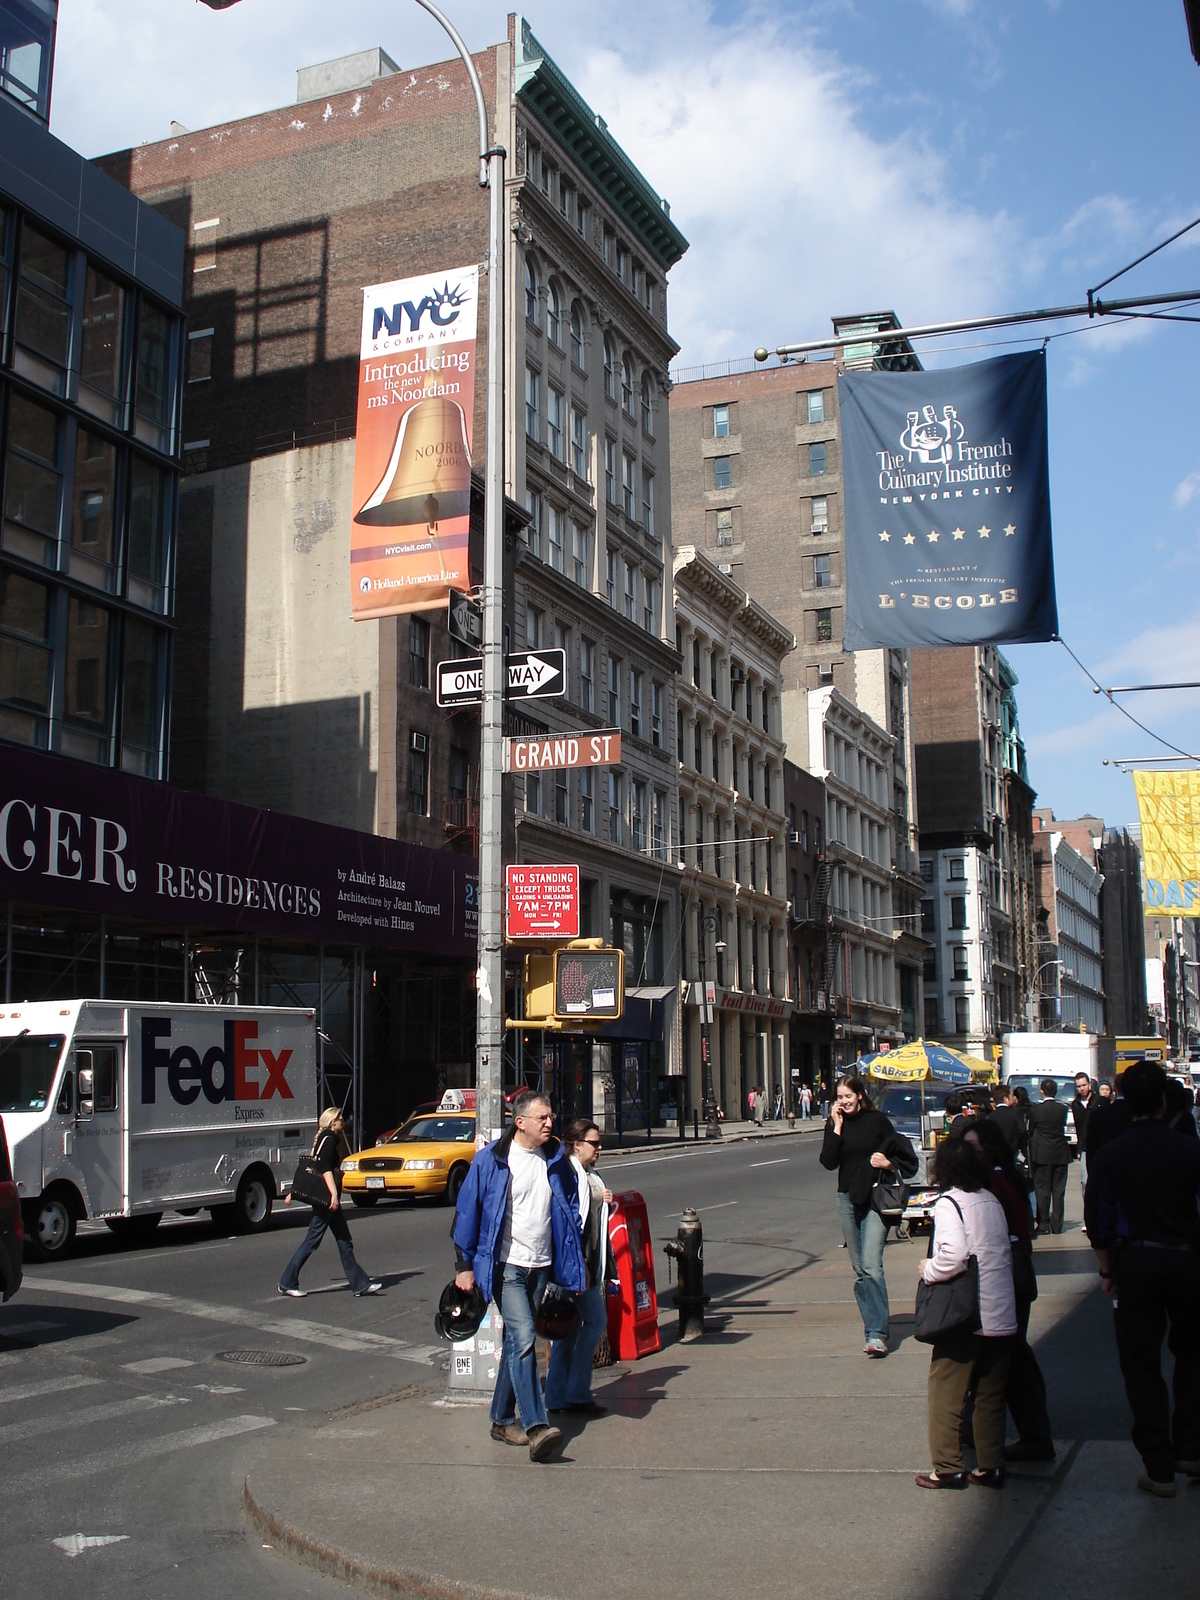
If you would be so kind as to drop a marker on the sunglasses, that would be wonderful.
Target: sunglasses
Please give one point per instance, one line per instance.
(595, 1143)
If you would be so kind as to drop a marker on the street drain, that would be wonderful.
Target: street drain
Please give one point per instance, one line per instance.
(261, 1358)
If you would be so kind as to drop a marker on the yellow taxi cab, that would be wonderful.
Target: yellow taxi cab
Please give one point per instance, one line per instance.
(429, 1155)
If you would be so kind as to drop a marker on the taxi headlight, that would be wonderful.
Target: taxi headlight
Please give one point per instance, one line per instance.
(350, 1165)
(423, 1166)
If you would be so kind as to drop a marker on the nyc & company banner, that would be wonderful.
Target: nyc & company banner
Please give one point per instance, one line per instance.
(1169, 807)
(412, 458)
(947, 506)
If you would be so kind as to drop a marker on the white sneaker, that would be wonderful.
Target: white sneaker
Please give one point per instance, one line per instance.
(293, 1294)
(876, 1349)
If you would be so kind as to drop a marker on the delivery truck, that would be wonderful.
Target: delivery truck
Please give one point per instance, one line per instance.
(1034, 1056)
(119, 1112)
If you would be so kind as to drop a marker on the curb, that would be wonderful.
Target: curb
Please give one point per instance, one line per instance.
(365, 1576)
(724, 1143)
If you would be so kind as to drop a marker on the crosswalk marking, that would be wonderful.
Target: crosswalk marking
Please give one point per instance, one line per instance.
(34, 1391)
(319, 1333)
(74, 1544)
(112, 1463)
(11, 1432)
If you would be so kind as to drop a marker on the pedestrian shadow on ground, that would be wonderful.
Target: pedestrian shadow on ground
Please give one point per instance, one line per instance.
(633, 1395)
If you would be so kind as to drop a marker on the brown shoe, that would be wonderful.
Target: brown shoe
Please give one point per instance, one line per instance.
(509, 1433)
(543, 1442)
(1158, 1487)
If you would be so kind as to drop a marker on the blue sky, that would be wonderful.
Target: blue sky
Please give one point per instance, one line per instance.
(940, 157)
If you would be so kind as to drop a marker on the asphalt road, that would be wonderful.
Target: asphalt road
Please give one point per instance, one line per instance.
(119, 1418)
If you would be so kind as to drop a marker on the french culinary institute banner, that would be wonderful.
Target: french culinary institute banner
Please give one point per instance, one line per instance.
(412, 456)
(1169, 809)
(947, 505)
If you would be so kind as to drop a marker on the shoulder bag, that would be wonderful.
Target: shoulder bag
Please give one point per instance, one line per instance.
(950, 1308)
(889, 1194)
(309, 1184)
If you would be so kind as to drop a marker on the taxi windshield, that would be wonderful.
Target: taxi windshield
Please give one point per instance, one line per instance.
(27, 1066)
(437, 1130)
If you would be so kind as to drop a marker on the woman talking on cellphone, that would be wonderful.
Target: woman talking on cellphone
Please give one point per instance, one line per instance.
(862, 1147)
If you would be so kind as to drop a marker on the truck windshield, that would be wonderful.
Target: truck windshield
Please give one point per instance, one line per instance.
(27, 1068)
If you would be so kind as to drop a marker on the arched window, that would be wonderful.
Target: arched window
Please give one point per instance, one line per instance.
(627, 385)
(577, 350)
(647, 403)
(531, 292)
(553, 315)
(610, 370)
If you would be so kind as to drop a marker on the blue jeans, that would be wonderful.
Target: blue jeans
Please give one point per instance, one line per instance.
(336, 1223)
(865, 1241)
(517, 1382)
(569, 1379)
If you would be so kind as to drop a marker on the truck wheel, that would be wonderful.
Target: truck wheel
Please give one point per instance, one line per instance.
(454, 1183)
(134, 1230)
(364, 1202)
(255, 1197)
(50, 1232)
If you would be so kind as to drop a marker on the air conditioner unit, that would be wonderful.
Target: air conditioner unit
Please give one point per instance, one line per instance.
(793, 836)
(419, 742)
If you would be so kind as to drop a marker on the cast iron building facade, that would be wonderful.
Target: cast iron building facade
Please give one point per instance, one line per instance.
(1068, 911)
(731, 832)
(811, 929)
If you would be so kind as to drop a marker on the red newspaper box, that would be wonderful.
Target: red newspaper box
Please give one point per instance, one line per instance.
(633, 1311)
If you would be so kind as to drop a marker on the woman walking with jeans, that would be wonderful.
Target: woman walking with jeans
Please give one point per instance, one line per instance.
(861, 1146)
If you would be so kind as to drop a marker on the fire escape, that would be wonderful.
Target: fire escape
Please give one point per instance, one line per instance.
(819, 918)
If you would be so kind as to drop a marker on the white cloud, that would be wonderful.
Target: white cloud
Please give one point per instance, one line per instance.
(1186, 491)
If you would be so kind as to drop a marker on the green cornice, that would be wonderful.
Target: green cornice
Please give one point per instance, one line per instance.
(569, 120)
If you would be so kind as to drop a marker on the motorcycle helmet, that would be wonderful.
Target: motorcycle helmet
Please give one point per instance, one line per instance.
(459, 1313)
(557, 1314)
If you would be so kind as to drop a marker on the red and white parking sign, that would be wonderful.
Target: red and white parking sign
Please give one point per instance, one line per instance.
(542, 902)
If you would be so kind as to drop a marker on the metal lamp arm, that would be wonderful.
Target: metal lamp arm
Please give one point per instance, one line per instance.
(486, 148)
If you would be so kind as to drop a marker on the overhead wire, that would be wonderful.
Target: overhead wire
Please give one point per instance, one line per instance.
(1096, 684)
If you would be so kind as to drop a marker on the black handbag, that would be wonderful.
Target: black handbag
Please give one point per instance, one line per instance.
(309, 1183)
(947, 1309)
(889, 1197)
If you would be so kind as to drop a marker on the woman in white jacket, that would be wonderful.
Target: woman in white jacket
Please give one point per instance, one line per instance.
(968, 1220)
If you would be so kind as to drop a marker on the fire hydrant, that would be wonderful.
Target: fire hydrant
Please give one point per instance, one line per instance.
(690, 1299)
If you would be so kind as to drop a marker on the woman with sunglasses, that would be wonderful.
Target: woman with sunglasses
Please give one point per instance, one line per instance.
(569, 1376)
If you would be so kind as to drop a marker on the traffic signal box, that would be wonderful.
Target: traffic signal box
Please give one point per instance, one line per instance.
(582, 983)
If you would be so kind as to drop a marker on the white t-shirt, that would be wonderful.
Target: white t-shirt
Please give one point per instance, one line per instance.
(528, 1240)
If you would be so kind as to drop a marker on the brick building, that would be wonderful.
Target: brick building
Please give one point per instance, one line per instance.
(732, 832)
(757, 485)
(811, 931)
(371, 176)
(967, 758)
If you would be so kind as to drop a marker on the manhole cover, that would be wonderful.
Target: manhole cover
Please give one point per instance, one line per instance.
(261, 1358)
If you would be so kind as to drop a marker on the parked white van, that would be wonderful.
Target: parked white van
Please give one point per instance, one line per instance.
(121, 1112)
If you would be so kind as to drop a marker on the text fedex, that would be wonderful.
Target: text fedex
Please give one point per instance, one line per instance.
(233, 1070)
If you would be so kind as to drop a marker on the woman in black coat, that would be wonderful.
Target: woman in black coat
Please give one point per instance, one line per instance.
(861, 1146)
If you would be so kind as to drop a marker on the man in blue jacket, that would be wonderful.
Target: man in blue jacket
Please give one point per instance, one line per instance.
(516, 1230)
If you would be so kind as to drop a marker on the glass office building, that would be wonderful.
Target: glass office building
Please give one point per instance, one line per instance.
(91, 342)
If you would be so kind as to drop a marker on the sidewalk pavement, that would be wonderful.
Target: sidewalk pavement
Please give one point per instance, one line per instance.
(731, 1132)
(772, 1457)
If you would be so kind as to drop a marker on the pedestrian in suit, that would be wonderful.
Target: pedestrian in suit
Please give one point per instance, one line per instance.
(1049, 1155)
(1011, 1123)
(1081, 1110)
(1143, 1220)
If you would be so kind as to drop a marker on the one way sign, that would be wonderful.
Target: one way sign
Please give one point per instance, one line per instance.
(531, 675)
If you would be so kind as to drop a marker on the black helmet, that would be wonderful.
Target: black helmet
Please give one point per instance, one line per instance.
(557, 1314)
(459, 1313)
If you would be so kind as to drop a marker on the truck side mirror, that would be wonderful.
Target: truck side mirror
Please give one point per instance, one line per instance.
(84, 1074)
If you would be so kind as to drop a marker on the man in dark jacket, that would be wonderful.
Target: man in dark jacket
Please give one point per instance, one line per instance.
(1049, 1154)
(1143, 1219)
(1007, 1117)
(1081, 1110)
(516, 1230)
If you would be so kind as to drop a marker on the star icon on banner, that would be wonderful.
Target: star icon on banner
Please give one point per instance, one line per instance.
(885, 537)
(958, 533)
(1009, 530)
(910, 538)
(933, 538)
(985, 532)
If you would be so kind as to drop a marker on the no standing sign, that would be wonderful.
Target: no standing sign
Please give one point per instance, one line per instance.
(542, 902)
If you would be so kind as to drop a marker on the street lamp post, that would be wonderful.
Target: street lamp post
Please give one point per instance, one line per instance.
(489, 978)
(709, 923)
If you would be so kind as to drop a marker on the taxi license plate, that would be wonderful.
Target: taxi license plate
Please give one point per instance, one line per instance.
(376, 1183)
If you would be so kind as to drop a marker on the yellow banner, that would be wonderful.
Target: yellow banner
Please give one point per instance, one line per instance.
(1169, 806)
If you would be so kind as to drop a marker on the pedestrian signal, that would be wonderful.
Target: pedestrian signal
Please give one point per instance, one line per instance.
(589, 983)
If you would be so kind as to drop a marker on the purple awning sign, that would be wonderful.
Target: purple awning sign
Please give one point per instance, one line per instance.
(93, 840)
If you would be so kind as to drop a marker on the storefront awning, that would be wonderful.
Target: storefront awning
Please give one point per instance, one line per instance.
(645, 1015)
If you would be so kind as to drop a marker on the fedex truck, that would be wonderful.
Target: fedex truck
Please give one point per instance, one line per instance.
(119, 1112)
